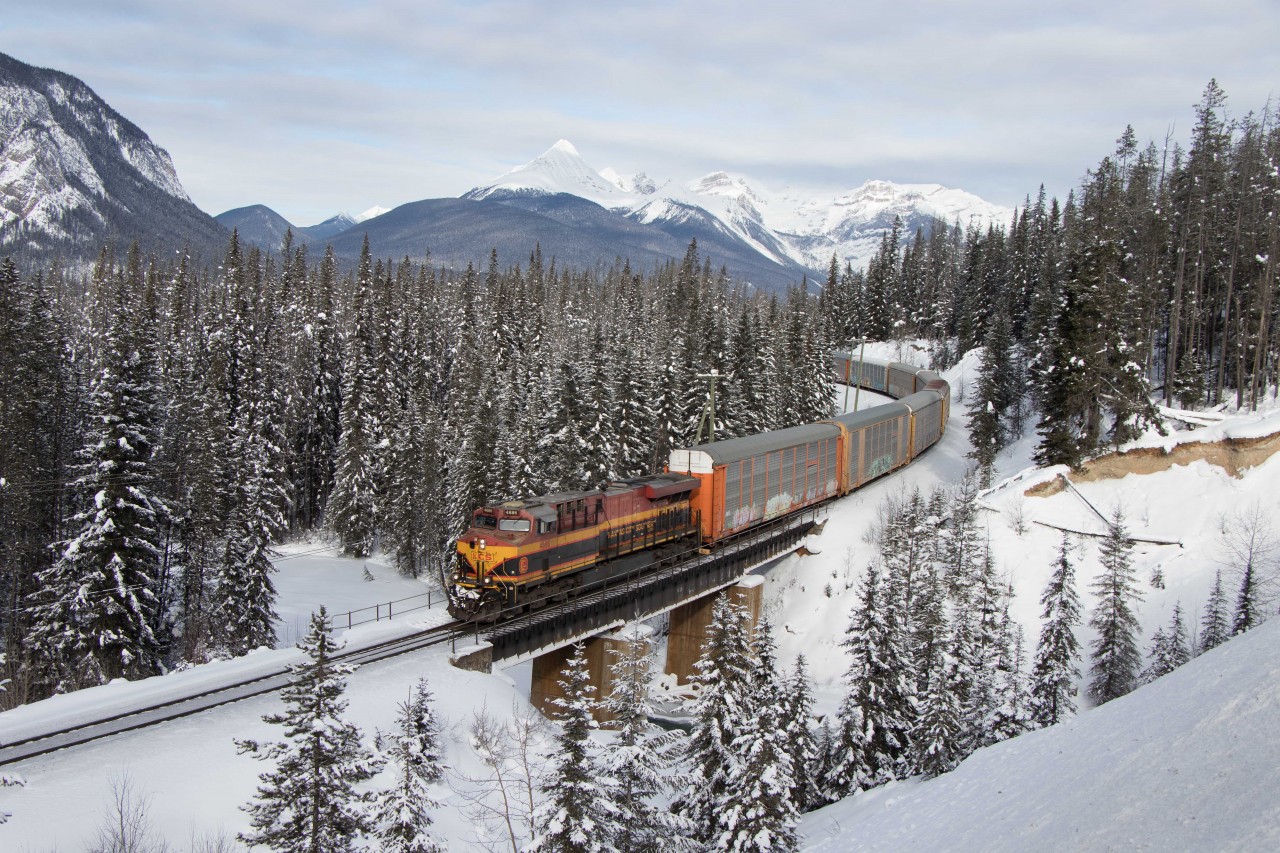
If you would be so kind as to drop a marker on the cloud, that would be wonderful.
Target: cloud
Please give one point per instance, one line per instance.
(319, 106)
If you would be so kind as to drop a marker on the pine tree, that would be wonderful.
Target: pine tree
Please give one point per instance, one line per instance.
(1116, 658)
(95, 615)
(353, 504)
(1247, 612)
(1054, 673)
(1215, 625)
(803, 746)
(307, 802)
(638, 761)
(1170, 648)
(877, 712)
(720, 715)
(936, 732)
(402, 816)
(577, 816)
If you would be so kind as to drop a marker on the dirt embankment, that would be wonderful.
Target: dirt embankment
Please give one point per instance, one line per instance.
(1233, 455)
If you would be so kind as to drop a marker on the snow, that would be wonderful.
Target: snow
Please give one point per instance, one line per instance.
(1184, 763)
(370, 214)
(802, 225)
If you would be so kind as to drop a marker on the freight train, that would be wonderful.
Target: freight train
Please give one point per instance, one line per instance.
(523, 552)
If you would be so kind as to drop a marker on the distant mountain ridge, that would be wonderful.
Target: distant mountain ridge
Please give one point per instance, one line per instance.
(75, 174)
(584, 217)
(787, 226)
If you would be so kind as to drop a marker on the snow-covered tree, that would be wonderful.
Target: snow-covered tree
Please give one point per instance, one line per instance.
(1215, 624)
(803, 746)
(1170, 647)
(638, 762)
(1116, 658)
(759, 811)
(721, 714)
(308, 801)
(1056, 669)
(402, 815)
(577, 816)
(878, 710)
(96, 613)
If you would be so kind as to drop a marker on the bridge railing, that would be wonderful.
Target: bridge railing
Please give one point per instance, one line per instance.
(378, 612)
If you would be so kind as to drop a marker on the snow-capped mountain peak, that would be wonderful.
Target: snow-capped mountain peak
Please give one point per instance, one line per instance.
(559, 169)
(788, 225)
(370, 214)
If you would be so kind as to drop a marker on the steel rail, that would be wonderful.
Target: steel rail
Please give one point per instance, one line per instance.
(185, 706)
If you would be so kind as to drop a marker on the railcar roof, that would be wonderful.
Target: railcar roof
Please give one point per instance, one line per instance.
(872, 416)
(736, 449)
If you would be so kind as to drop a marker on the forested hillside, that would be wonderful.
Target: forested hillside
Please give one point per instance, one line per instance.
(164, 425)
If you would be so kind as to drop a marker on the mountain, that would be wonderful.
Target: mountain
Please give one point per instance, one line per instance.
(795, 230)
(257, 224)
(330, 227)
(263, 227)
(75, 174)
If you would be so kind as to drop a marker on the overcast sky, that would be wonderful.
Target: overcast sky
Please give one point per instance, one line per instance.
(320, 106)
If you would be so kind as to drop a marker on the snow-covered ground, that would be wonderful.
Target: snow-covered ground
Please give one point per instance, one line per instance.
(1187, 762)
(1179, 764)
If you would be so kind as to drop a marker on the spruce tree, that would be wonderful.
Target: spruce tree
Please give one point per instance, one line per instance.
(721, 714)
(1170, 647)
(639, 760)
(935, 734)
(95, 615)
(307, 801)
(402, 814)
(1116, 658)
(803, 746)
(879, 707)
(1054, 673)
(1215, 625)
(353, 504)
(577, 816)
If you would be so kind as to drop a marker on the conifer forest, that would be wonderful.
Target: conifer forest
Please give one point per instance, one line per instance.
(166, 421)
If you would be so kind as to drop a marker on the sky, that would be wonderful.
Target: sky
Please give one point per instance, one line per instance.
(323, 106)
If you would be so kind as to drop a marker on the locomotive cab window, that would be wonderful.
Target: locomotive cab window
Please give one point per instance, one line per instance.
(486, 521)
(514, 525)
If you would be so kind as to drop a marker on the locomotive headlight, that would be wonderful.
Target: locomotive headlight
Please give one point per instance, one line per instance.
(480, 542)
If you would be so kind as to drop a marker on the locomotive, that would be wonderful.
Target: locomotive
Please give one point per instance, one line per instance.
(535, 549)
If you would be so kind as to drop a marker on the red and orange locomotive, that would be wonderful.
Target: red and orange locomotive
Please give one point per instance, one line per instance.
(538, 546)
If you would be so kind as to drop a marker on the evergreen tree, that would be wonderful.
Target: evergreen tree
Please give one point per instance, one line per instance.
(638, 760)
(720, 715)
(1116, 658)
(578, 815)
(936, 732)
(1170, 648)
(402, 816)
(802, 745)
(96, 613)
(307, 801)
(877, 712)
(353, 504)
(1054, 673)
(1215, 625)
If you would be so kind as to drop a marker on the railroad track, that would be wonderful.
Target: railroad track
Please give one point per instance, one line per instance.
(185, 706)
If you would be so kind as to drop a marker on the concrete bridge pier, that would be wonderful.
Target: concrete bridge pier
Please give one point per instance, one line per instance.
(689, 624)
(629, 643)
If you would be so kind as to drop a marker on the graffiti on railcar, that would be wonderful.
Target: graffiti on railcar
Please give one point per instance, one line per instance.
(879, 466)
